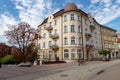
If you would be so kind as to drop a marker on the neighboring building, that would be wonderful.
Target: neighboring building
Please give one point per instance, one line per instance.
(118, 40)
(109, 41)
(70, 34)
(118, 43)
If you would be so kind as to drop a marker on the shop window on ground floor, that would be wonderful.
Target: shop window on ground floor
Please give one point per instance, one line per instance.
(73, 54)
(49, 55)
(66, 53)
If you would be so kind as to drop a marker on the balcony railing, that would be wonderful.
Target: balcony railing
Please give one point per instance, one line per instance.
(92, 27)
(89, 46)
(54, 47)
(54, 36)
(37, 36)
(49, 28)
(88, 35)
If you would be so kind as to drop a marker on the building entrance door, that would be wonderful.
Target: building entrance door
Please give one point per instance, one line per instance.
(87, 55)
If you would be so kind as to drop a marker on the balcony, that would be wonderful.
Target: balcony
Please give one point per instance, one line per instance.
(115, 35)
(49, 28)
(89, 46)
(54, 36)
(37, 36)
(54, 47)
(92, 27)
(88, 35)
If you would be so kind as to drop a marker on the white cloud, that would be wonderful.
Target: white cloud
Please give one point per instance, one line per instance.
(94, 1)
(5, 20)
(105, 11)
(118, 1)
(33, 11)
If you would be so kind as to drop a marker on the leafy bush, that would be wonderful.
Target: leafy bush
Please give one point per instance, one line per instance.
(8, 59)
(103, 52)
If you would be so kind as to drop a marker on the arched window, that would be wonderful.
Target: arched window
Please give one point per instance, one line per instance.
(73, 54)
(66, 53)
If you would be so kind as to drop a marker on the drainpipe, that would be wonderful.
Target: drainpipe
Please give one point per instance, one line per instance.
(82, 37)
(62, 36)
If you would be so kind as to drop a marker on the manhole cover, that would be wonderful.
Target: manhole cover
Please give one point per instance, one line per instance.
(64, 75)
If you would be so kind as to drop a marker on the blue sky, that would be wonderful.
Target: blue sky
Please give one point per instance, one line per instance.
(106, 12)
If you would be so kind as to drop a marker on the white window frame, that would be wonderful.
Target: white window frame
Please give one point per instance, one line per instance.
(66, 53)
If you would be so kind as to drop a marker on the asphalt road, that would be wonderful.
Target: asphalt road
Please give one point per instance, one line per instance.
(30, 73)
(112, 73)
(48, 71)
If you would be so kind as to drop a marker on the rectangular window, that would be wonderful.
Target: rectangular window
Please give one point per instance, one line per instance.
(55, 42)
(65, 17)
(55, 22)
(50, 43)
(49, 34)
(66, 53)
(85, 21)
(55, 54)
(44, 36)
(39, 46)
(73, 53)
(43, 44)
(72, 28)
(72, 16)
(55, 31)
(44, 26)
(65, 41)
(80, 41)
(72, 40)
(79, 18)
(65, 29)
(79, 29)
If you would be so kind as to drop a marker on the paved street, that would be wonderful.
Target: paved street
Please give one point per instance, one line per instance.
(27, 73)
(112, 73)
(81, 72)
(66, 71)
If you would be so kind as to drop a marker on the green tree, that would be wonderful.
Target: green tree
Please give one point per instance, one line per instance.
(8, 59)
(103, 52)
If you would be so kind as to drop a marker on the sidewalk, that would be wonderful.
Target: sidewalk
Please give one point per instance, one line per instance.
(81, 72)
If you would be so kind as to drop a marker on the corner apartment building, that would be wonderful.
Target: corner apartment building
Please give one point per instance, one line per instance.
(70, 34)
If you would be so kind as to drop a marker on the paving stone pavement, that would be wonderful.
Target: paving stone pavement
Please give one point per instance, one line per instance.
(80, 72)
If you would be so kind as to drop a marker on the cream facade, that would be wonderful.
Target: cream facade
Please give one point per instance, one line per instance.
(109, 41)
(70, 34)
